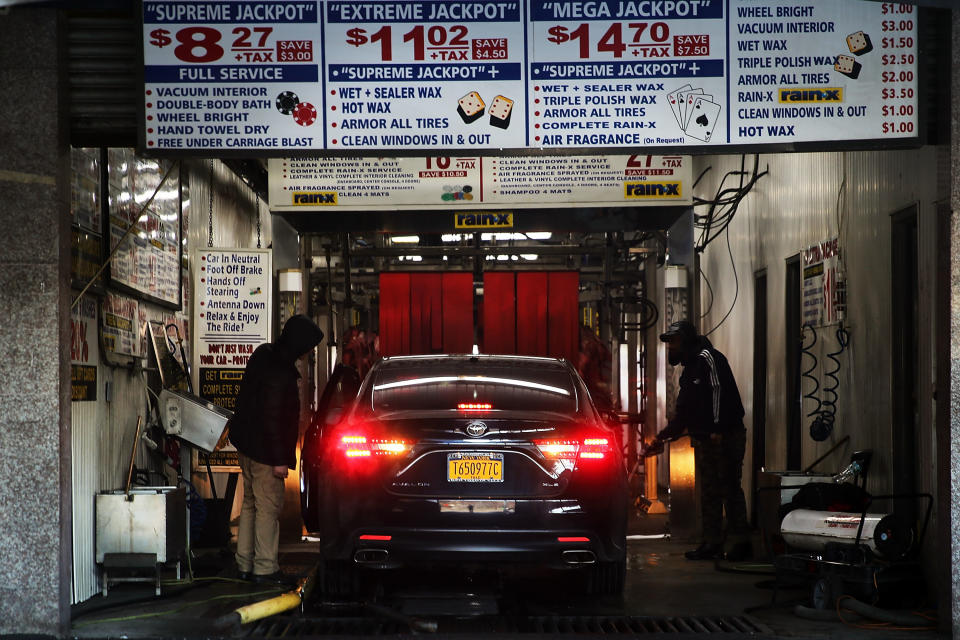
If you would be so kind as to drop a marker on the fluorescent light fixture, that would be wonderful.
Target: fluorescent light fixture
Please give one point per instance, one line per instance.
(529, 256)
(478, 379)
(540, 235)
(503, 257)
(405, 239)
(451, 237)
(624, 377)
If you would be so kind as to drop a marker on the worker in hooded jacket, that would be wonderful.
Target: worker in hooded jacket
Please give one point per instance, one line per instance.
(710, 410)
(264, 429)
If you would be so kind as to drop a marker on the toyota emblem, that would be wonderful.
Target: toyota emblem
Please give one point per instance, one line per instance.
(476, 429)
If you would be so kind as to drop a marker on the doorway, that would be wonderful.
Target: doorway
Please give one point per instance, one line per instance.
(904, 306)
(792, 319)
(759, 378)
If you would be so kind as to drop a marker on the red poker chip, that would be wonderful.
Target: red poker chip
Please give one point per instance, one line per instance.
(304, 114)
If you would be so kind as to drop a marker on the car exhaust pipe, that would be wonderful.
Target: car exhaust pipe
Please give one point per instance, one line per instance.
(371, 556)
(580, 556)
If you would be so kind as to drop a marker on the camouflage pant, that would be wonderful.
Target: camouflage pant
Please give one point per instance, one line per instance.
(719, 463)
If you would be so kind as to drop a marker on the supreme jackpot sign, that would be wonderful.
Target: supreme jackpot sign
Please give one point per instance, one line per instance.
(279, 77)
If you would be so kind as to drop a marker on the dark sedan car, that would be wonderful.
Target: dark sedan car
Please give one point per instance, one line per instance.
(467, 460)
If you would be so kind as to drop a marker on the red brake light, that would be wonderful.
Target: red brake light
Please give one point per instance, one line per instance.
(595, 448)
(558, 449)
(586, 449)
(474, 406)
(360, 446)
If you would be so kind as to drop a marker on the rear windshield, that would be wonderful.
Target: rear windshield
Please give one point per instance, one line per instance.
(508, 388)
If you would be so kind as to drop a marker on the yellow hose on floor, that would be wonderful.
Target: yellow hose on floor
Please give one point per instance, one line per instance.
(267, 608)
(270, 606)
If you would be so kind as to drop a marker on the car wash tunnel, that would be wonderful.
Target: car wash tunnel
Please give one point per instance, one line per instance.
(479, 318)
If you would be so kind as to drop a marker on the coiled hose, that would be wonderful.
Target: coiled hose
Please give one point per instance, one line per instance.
(807, 350)
(829, 410)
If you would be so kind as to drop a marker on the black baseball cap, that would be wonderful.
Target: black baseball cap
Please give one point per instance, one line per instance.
(682, 328)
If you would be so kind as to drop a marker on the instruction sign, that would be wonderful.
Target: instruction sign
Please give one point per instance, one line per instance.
(232, 317)
(120, 325)
(279, 77)
(819, 286)
(471, 182)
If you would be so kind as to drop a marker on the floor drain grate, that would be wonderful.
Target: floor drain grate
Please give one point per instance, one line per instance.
(299, 627)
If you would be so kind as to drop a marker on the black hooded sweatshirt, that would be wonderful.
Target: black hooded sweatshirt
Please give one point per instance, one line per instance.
(708, 400)
(266, 423)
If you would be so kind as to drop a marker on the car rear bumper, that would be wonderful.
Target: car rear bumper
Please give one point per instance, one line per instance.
(389, 547)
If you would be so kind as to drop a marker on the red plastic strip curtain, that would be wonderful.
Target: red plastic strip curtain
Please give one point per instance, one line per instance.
(499, 312)
(563, 303)
(426, 299)
(532, 314)
(457, 312)
(394, 314)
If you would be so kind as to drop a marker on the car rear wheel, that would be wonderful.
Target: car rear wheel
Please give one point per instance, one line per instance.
(607, 578)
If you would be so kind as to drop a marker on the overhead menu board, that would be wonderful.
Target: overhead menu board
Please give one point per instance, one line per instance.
(274, 76)
(472, 182)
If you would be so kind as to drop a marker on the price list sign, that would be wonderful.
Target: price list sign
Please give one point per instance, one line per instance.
(622, 74)
(424, 74)
(803, 71)
(231, 75)
(361, 77)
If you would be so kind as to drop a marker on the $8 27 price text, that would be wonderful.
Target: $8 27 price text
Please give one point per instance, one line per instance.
(206, 44)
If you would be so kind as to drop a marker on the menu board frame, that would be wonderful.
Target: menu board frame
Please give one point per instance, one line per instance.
(534, 45)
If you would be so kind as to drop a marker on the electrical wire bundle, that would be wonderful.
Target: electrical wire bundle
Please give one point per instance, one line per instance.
(723, 206)
(719, 215)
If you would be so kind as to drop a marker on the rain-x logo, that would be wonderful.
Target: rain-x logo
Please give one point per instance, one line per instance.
(651, 190)
(307, 198)
(483, 220)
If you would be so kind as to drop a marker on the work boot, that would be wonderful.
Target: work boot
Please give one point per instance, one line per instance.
(277, 578)
(706, 551)
(740, 551)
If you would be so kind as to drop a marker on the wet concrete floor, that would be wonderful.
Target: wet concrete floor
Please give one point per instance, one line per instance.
(661, 586)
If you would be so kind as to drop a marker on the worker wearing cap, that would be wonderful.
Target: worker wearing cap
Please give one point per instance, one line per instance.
(710, 410)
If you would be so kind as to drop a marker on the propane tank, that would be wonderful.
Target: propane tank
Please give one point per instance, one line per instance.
(885, 534)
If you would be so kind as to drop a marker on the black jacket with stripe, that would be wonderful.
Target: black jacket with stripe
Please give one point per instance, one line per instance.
(708, 401)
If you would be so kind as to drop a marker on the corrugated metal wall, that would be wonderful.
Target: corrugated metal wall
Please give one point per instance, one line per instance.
(807, 198)
(103, 432)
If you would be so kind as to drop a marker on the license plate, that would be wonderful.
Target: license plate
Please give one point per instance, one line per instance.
(478, 506)
(475, 467)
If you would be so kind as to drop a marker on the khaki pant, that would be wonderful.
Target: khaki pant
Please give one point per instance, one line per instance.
(258, 535)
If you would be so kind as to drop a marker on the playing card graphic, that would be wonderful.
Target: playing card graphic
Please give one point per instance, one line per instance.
(691, 100)
(674, 100)
(695, 111)
(703, 118)
(685, 103)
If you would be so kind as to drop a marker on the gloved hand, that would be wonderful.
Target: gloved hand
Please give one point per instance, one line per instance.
(654, 448)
